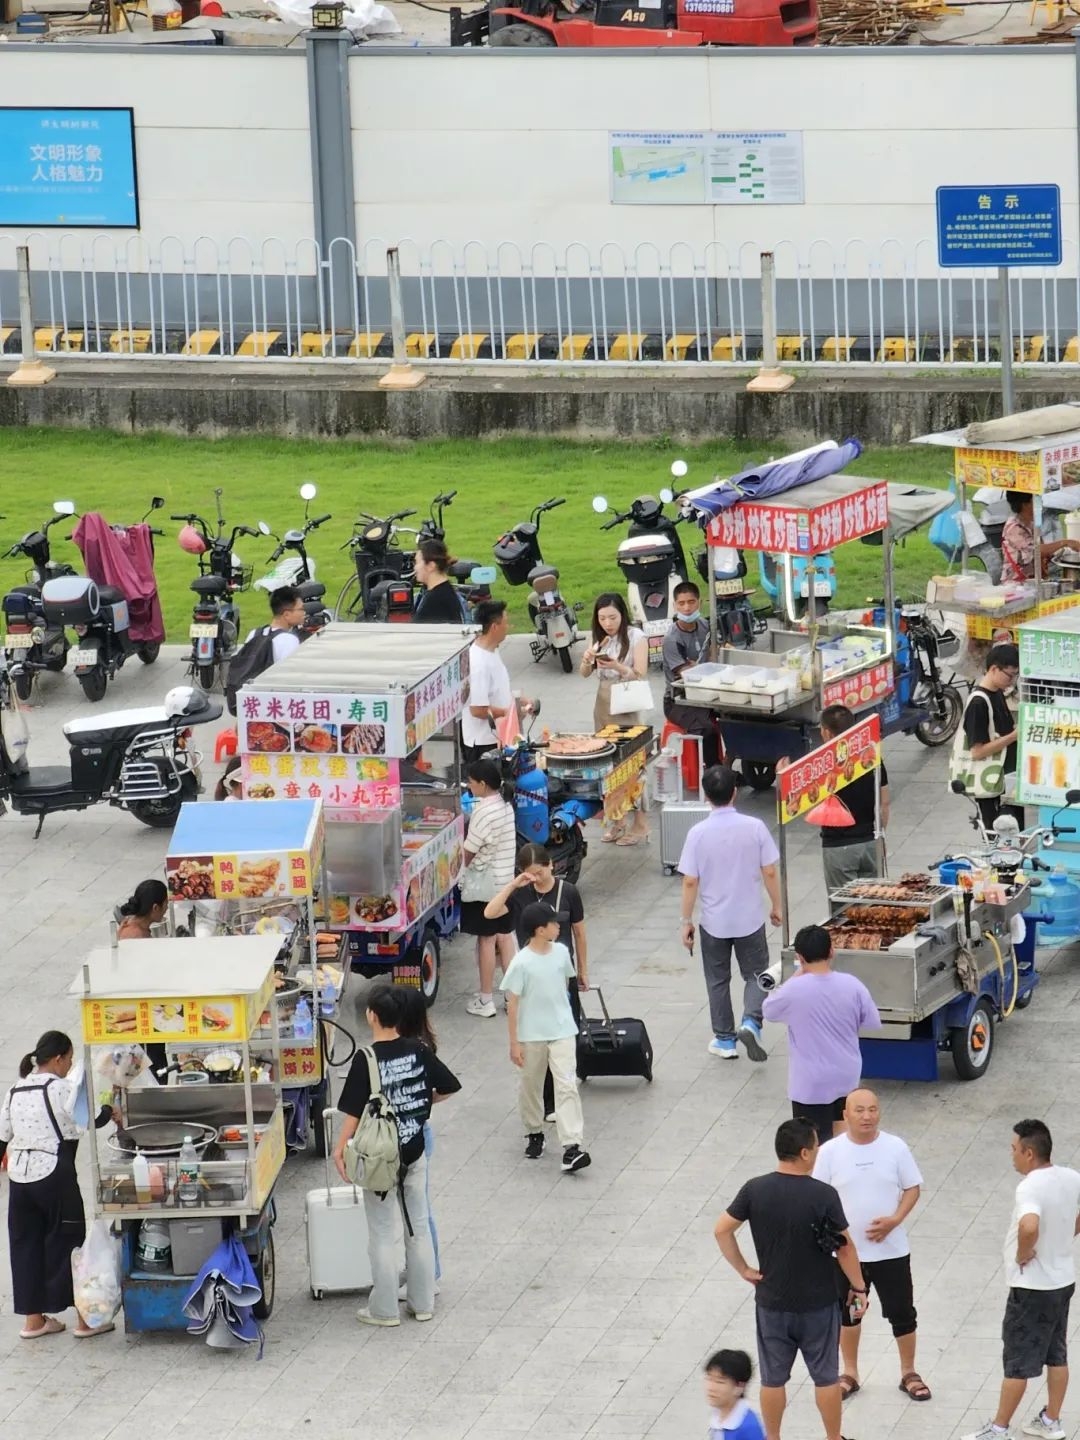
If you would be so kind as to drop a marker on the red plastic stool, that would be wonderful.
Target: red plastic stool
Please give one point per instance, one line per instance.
(690, 754)
(225, 744)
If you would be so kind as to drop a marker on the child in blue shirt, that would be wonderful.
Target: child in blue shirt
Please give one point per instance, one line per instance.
(727, 1374)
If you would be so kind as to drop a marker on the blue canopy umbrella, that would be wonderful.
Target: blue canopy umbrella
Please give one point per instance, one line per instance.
(773, 478)
(220, 1301)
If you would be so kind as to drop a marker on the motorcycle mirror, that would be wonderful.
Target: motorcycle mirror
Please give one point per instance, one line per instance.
(157, 502)
(64, 507)
(957, 787)
(1072, 796)
(264, 529)
(666, 496)
(599, 504)
(679, 468)
(308, 491)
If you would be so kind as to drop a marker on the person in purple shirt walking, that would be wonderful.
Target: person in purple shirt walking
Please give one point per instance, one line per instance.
(725, 860)
(824, 1010)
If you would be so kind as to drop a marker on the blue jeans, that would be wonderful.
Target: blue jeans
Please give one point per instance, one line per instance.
(429, 1150)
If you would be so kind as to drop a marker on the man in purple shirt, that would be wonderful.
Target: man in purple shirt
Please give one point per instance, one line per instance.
(725, 860)
(824, 1011)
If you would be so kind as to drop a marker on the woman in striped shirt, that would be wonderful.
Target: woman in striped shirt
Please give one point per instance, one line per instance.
(490, 847)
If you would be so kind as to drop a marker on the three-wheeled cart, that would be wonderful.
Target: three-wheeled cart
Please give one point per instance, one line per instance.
(216, 992)
(908, 939)
(365, 718)
(768, 698)
(254, 867)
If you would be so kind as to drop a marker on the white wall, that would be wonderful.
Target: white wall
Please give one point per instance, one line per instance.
(513, 145)
(221, 139)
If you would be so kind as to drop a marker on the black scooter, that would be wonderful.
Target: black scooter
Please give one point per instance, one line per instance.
(378, 559)
(215, 619)
(32, 642)
(139, 760)
(652, 561)
(518, 556)
(395, 600)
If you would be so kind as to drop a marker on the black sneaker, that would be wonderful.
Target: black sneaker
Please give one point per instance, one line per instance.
(534, 1147)
(574, 1158)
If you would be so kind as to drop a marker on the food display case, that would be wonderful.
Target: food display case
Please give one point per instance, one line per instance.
(363, 717)
(218, 992)
(255, 867)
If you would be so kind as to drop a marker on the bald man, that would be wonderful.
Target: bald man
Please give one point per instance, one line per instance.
(878, 1182)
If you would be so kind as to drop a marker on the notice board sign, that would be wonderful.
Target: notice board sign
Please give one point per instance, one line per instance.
(62, 166)
(706, 167)
(998, 226)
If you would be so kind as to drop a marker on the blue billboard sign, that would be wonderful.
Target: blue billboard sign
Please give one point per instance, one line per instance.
(998, 225)
(68, 167)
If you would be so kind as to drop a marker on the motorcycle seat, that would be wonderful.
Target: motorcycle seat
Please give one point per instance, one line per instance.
(311, 590)
(41, 780)
(462, 569)
(209, 585)
(542, 572)
(120, 726)
(110, 595)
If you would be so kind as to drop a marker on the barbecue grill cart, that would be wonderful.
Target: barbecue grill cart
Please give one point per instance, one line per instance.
(910, 939)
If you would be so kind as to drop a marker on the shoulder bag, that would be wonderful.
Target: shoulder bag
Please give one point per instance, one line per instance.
(631, 697)
(982, 779)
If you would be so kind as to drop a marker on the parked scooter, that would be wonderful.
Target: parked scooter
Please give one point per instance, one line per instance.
(921, 644)
(377, 557)
(517, 554)
(139, 760)
(394, 600)
(652, 561)
(798, 584)
(100, 613)
(298, 568)
(215, 620)
(31, 643)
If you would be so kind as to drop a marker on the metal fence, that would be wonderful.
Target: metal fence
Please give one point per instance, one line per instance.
(855, 303)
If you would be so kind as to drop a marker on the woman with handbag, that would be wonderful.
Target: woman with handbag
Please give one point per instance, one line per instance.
(619, 657)
(490, 847)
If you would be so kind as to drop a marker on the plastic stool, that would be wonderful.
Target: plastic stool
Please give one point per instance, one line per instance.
(690, 753)
(225, 744)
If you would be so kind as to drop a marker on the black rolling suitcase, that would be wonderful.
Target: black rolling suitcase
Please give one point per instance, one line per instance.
(613, 1047)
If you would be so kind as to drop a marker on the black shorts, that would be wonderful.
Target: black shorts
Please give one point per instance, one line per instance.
(891, 1282)
(475, 922)
(820, 1116)
(1034, 1331)
(813, 1334)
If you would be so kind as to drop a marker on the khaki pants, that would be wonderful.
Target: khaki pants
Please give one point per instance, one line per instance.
(561, 1057)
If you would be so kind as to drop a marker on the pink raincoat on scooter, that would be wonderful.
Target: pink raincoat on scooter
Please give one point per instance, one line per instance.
(124, 558)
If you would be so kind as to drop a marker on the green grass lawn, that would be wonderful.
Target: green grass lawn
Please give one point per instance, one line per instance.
(497, 482)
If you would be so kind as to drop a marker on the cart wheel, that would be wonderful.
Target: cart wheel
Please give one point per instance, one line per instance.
(428, 961)
(1023, 1001)
(973, 1044)
(760, 773)
(266, 1275)
(316, 1294)
(669, 869)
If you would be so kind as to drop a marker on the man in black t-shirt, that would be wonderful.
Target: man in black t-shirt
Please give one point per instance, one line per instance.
(852, 852)
(412, 1078)
(797, 1224)
(988, 730)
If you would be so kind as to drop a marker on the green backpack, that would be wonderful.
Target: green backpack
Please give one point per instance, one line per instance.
(373, 1154)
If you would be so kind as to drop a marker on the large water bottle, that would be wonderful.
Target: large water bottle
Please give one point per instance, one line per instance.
(187, 1174)
(1061, 897)
(154, 1250)
(303, 1025)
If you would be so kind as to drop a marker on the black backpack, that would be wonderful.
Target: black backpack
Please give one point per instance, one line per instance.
(253, 657)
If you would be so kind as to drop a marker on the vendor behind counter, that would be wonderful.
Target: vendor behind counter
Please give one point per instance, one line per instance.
(685, 644)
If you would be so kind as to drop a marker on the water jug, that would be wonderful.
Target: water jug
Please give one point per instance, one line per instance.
(1061, 896)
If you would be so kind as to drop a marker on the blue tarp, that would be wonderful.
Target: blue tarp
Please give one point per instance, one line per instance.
(773, 478)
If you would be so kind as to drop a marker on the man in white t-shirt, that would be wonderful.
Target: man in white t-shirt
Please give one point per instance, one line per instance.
(878, 1182)
(1041, 1274)
(490, 696)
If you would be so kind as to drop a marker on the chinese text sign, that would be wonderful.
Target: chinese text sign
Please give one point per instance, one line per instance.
(68, 167)
(998, 225)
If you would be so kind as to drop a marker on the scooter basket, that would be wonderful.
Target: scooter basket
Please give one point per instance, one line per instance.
(71, 600)
(515, 558)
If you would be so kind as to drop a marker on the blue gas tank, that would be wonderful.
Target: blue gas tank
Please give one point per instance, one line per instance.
(531, 801)
(1061, 896)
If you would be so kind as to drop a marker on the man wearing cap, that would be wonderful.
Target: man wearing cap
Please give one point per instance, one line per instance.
(543, 1034)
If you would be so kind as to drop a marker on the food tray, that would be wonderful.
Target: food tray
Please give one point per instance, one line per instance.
(866, 892)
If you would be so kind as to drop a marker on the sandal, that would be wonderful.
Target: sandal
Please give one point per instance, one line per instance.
(634, 837)
(913, 1386)
(52, 1326)
(848, 1386)
(613, 833)
(81, 1333)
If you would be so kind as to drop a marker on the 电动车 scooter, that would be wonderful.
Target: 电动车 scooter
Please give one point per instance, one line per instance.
(139, 760)
(32, 643)
(518, 556)
(652, 561)
(113, 609)
(215, 618)
(297, 568)
(396, 600)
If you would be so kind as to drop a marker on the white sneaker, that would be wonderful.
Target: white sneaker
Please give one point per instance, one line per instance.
(402, 1293)
(485, 1009)
(1047, 1429)
(365, 1317)
(989, 1432)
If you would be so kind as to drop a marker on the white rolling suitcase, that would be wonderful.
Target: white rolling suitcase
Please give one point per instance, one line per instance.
(337, 1236)
(677, 817)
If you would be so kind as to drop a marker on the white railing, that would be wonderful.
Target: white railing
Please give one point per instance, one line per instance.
(850, 303)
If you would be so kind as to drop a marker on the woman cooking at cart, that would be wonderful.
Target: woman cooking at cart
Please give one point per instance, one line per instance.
(1018, 540)
(146, 908)
(46, 1222)
(619, 652)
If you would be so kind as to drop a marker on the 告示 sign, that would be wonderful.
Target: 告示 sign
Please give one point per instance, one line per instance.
(998, 225)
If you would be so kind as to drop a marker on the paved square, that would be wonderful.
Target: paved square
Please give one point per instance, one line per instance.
(570, 1306)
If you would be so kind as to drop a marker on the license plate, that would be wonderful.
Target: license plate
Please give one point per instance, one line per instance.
(822, 590)
(203, 632)
(18, 642)
(657, 627)
(83, 657)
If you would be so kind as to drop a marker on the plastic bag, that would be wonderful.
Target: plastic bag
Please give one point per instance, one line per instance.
(14, 731)
(95, 1270)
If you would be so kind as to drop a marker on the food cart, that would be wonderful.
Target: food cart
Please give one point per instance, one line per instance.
(1048, 730)
(909, 940)
(215, 993)
(768, 698)
(1047, 467)
(254, 867)
(364, 717)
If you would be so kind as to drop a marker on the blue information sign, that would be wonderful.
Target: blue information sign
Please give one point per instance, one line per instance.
(998, 225)
(68, 167)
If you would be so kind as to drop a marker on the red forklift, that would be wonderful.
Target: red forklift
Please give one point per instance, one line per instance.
(655, 24)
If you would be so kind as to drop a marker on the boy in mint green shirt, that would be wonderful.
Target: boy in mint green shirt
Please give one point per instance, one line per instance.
(543, 1035)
